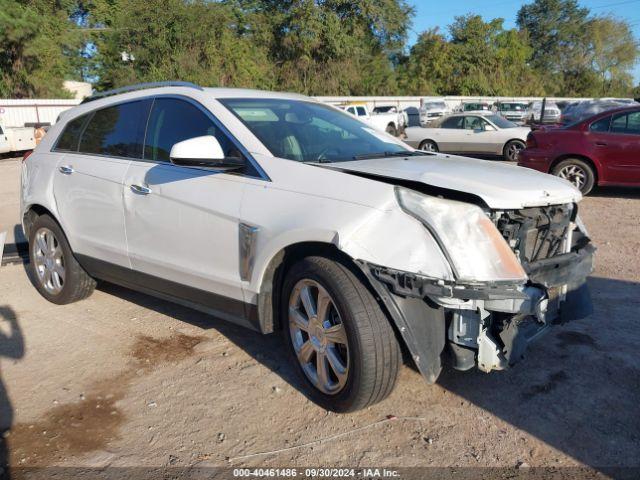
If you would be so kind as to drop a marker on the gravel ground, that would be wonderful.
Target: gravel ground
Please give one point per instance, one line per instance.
(123, 379)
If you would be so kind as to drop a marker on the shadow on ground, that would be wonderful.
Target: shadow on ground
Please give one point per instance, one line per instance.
(11, 346)
(578, 390)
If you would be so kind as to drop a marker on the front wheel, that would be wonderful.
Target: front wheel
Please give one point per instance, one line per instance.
(338, 336)
(577, 172)
(512, 150)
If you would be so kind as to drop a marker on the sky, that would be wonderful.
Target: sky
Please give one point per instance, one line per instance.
(433, 13)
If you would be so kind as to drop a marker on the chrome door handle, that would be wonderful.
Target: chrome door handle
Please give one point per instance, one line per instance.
(66, 169)
(140, 190)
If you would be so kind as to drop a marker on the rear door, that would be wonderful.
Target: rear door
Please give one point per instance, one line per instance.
(450, 134)
(97, 148)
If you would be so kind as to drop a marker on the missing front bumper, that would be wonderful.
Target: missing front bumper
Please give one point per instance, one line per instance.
(508, 317)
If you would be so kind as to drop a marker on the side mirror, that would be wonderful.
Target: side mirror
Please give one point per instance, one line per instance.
(203, 152)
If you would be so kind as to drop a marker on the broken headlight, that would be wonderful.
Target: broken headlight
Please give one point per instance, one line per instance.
(469, 239)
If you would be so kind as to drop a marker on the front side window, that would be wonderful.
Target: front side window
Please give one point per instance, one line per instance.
(628, 123)
(116, 131)
(310, 132)
(601, 125)
(474, 123)
(173, 120)
(70, 138)
(361, 112)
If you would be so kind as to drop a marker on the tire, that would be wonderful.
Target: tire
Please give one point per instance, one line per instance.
(428, 146)
(391, 130)
(578, 172)
(512, 149)
(49, 251)
(370, 357)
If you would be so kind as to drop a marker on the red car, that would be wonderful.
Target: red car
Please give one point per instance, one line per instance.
(601, 150)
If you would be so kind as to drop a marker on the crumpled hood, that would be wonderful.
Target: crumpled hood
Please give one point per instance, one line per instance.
(501, 186)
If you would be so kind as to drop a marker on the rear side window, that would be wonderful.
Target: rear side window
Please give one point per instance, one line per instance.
(601, 125)
(70, 137)
(453, 122)
(116, 131)
(628, 123)
(172, 121)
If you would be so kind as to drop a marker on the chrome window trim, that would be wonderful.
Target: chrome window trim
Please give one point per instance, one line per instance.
(262, 175)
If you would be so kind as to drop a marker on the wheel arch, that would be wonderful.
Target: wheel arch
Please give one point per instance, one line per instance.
(32, 212)
(276, 268)
(584, 158)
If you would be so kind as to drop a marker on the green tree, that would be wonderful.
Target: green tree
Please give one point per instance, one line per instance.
(37, 43)
(614, 52)
(202, 42)
(558, 34)
(489, 60)
(428, 67)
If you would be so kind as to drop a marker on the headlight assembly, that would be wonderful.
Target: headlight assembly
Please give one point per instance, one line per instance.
(473, 245)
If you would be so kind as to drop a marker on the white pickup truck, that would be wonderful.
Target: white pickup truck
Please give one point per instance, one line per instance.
(16, 139)
(386, 122)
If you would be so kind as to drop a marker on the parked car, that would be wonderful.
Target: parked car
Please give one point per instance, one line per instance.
(512, 111)
(277, 212)
(402, 118)
(386, 122)
(601, 150)
(471, 134)
(551, 113)
(588, 108)
(16, 139)
(475, 107)
(432, 109)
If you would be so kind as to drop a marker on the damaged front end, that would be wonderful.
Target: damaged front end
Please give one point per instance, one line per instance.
(491, 323)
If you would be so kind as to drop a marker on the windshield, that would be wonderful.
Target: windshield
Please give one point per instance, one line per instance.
(500, 122)
(435, 105)
(311, 132)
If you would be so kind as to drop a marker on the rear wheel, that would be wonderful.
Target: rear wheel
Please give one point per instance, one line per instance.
(577, 172)
(391, 129)
(55, 272)
(512, 150)
(338, 336)
(428, 146)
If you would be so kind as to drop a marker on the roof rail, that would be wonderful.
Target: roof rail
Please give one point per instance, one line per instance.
(140, 86)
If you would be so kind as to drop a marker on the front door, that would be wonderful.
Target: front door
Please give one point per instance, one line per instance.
(183, 223)
(619, 149)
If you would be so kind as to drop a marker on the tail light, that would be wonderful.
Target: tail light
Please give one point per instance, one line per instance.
(531, 141)
(26, 155)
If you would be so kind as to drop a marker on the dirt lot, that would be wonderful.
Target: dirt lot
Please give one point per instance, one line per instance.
(123, 379)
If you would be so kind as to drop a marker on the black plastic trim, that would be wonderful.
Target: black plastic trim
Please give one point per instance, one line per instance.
(229, 309)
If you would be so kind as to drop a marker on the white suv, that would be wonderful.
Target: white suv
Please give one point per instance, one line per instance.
(277, 212)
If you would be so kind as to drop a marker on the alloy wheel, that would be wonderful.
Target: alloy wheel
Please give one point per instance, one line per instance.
(575, 174)
(49, 261)
(319, 336)
(513, 151)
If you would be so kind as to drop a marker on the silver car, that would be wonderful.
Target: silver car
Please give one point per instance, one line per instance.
(551, 112)
(471, 133)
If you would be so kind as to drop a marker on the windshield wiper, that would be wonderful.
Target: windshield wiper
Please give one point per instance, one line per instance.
(406, 153)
